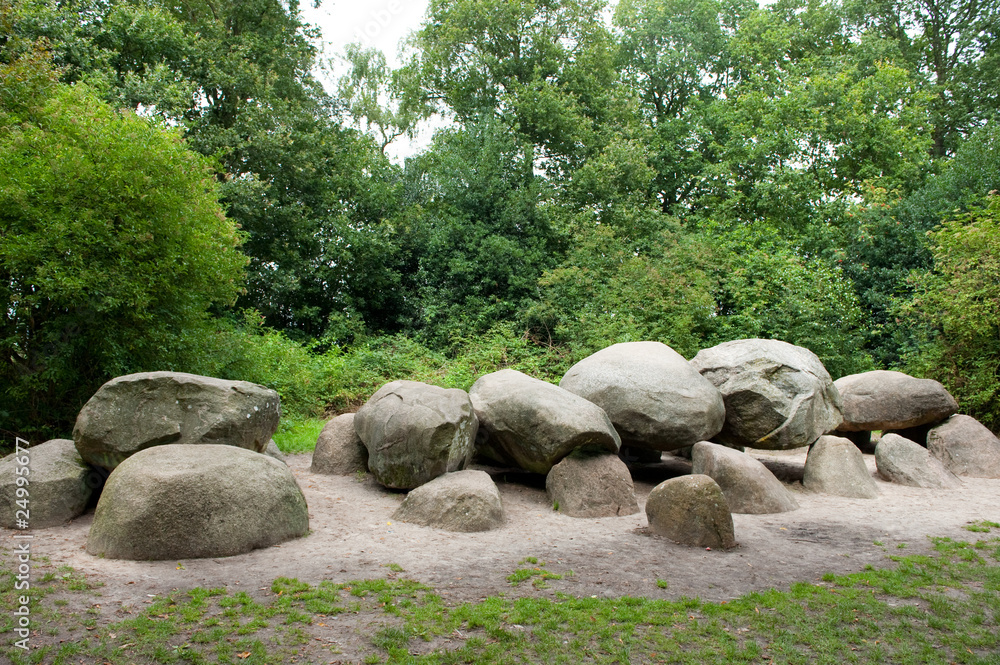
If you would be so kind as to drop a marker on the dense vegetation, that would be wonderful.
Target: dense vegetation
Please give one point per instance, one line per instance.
(178, 192)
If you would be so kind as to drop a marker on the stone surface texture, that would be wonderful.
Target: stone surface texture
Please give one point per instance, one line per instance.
(139, 411)
(966, 447)
(651, 394)
(591, 485)
(461, 501)
(886, 400)
(691, 510)
(59, 485)
(415, 432)
(836, 466)
(778, 396)
(339, 450)
(182, 501)
(906, 462)
(747, 484)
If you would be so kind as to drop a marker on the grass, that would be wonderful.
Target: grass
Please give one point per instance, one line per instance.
(298, 435)
(937, 608)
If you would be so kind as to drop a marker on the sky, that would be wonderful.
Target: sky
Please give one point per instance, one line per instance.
(378, 23)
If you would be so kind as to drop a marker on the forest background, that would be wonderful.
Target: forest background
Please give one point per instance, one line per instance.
(178, 192)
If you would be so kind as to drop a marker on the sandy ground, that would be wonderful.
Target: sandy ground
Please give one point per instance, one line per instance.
(353, 536)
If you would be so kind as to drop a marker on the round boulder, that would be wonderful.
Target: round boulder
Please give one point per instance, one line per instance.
(535, 424)
(906, 462)
(778, 396)
(651, 394)
(886, 400)
(461, 501)
(138, 411)
(415, 432)
(691, 510)
(966, 447)
(339, 450)
(182, 501)
(747, 484)
(59, 485)
(836, 466)
(586, 485)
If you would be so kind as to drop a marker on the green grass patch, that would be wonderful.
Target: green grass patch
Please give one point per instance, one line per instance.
(937, 608)
(298, 436)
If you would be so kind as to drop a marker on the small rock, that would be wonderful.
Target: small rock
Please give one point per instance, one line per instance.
(906, 462)
(272, 450)
(339, 450)
(691, 510)
(462, 501)
(966, 447)
(591, 485)
(836, 466)
(747, 484)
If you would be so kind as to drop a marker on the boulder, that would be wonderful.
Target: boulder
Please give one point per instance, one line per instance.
(691, 510)
(535, 424)
(885, 400)
(747, 484)
(461, 501)
(59, 485)
(836, 466)
(339, 450)
(966, 447)
(591, 485)
(863, 440)
(138, 411)
(651, 394)
(778, 396)
(182, 501)
(906, 462)
(916, 434)
(415, 432)
(274, 451)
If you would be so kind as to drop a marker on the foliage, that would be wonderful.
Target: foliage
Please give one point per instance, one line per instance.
(956, 306)
(112, 245)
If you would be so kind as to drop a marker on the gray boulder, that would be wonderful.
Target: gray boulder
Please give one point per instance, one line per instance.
(747, 484)
(966, 447)
(885, 400)
(138, 411)
(586, 485)
(836, 466)
(535, 424)
(59, 485)
(461, 501)
(906, 462)
(415, 432)
(339, 450)
(691, 510)
(183, 501)
(863, 440)
(272, 450)
(651, 394)
(778, 396)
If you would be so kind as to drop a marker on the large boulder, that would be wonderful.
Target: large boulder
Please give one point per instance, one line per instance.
(586, 485)
(836, 466)
(886, 400)
(138, 411)
(535, 424)
(966, 447)
(58, 487)
(691, 510)
(651, 394)
(778, 396)
(461, 501)
(747, 484)
(415, 432)
(906, 462)
(182, 501)
(339, 450)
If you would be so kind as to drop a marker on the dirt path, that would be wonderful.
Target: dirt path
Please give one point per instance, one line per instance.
(354, 536)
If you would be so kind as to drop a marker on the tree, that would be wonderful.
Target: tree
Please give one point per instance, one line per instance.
(113, 245)
(955, 306)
